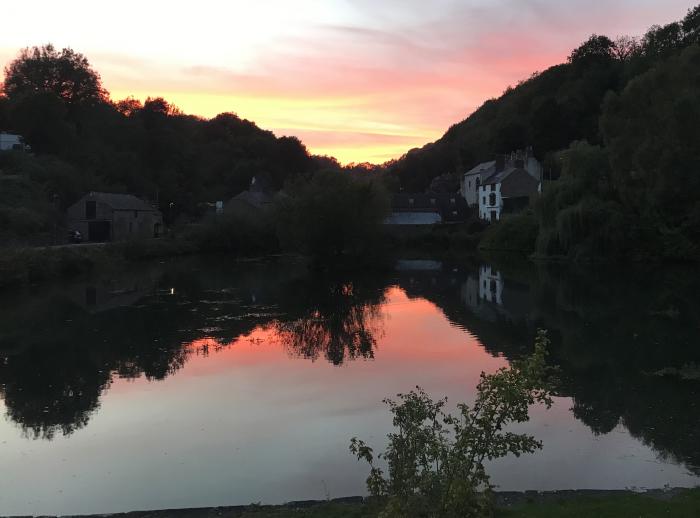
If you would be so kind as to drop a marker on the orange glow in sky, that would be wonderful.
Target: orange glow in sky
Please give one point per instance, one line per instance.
(360, 80)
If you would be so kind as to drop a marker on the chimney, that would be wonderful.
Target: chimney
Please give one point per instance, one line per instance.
(500, 163)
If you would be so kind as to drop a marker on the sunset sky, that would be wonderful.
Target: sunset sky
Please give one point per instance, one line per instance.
(361, 80)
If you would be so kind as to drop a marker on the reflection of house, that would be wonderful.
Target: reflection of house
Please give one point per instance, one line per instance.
(504, 185)
(102, 216)
(108, 295)
(492, 297)
(490, 285)
(12, 142)
(427, 209)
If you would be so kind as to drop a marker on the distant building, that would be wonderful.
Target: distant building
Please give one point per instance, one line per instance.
(506, 192)
(259, 197)
(473, 179)
(12, 142)
(102, 216)
(427, 209)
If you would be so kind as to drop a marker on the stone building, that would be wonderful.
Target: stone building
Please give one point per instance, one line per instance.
(102, 216)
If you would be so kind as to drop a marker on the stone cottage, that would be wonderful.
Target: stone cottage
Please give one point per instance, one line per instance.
(102, 216)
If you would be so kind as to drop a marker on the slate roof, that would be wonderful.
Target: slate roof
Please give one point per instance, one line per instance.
(121, 201)
(499, 176)
(484, 167)
(519, 182)
(441, 203)
(257, 199)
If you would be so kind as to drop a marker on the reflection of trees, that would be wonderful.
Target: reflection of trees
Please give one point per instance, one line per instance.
(60, 351)
(47, 395)
(610, 329)
(343, 323)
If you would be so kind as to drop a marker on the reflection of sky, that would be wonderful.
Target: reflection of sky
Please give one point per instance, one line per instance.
(250, 424)
(361, 80)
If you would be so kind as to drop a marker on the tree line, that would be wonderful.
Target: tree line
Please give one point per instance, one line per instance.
(82, 140)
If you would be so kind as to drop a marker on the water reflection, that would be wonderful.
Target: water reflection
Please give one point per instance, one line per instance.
(611, 333)
(339, 320)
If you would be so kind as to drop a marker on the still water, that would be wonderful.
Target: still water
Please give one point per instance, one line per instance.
(204, 383)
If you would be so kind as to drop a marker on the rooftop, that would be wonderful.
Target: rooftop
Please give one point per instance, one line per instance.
(121, 201)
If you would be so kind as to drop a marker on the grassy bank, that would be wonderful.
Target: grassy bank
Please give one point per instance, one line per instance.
(31, 265)
(686, 504)
(565, 504)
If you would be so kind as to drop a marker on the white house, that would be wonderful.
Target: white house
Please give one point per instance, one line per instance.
(472, 179)
(502, 185)
(10, 141)
(506, 191)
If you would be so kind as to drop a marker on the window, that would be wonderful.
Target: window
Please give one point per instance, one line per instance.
(492, 198)
(410, 201)
(432, 201)
(452, 201)
(90, 209)
(478, 181)
(136, 214)
(483, 200)
(90, 295)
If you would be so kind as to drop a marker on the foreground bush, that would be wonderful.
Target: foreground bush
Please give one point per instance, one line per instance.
(436, 460)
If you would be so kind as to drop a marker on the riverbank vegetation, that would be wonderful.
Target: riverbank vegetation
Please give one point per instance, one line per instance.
(436, 460)
(679, 504)
(683, 504)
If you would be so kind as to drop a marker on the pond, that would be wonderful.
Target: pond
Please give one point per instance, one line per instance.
(203, 382)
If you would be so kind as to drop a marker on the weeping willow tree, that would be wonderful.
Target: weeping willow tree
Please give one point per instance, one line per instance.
(579, 215)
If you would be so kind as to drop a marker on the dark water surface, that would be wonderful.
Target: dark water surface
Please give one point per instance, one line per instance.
(204, 383)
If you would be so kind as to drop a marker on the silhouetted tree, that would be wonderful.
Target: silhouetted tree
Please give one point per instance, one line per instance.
(66, 74)
(596, 48)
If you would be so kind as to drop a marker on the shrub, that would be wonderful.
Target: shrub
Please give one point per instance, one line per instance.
(239, 231)
(517, 232)
(436, 460)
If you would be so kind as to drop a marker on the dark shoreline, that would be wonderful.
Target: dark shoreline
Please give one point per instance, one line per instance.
(504, 500)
